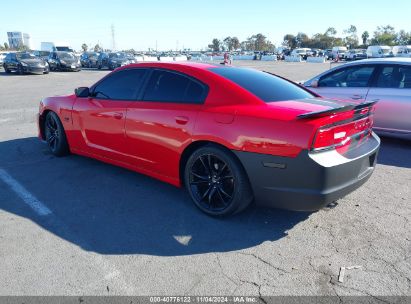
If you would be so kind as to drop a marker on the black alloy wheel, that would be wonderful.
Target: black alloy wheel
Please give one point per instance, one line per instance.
(217, 182)
(55, 135)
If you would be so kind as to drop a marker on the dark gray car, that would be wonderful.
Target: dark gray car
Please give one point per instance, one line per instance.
(114, 60)
(64, 61)
(25, 62)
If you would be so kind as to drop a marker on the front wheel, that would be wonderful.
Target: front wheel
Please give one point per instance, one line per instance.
(20, 70)
(217, 182)
(55, 135)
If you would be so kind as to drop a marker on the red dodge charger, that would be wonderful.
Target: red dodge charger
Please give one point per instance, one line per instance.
(229, 135)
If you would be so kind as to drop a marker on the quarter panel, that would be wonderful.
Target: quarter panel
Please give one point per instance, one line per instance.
(393, 110)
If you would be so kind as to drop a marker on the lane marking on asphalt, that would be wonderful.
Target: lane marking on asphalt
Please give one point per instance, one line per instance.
(25, 195)
(112, 273)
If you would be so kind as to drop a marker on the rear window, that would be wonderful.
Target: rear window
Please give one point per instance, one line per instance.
(267, 87)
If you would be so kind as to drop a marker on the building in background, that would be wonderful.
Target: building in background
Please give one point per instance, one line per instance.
(18, 39)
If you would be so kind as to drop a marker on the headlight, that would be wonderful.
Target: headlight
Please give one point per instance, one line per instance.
(62, 62)
(23, 64)
(46, 63)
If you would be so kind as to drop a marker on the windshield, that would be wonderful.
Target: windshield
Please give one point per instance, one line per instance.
(266, 86)
(25, 56)
(66, 56)
(386, 51)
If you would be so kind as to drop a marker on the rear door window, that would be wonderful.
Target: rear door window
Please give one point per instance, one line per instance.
(395, 77)
(168, 86)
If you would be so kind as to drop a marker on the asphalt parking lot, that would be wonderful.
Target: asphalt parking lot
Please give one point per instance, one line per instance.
(115, 232)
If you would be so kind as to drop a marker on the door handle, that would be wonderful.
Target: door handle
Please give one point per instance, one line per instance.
(357, 97)
(181, 120)
(118, 115)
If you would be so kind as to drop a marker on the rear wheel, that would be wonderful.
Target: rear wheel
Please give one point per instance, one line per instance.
(55, 135)
(217, 182)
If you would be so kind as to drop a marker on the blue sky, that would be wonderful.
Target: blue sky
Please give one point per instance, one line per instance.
(138, 24)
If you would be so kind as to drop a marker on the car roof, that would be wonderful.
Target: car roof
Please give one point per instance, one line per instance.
(395, 60)
(391, 60)
(196, 65)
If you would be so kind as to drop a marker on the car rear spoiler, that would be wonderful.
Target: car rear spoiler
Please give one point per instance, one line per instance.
(337, 110)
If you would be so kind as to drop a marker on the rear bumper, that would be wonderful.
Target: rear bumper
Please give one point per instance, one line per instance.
(311, 180)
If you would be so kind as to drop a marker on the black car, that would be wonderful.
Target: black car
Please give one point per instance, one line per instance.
(89, 59)
(64, 61)
(25, 62)
(114, 60)
(42, 54)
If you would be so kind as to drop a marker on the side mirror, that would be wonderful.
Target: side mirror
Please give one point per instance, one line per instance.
(82, 92)
(314, 83)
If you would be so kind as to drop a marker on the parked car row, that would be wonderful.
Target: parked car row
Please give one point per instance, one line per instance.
(40, 62)
(102, 60)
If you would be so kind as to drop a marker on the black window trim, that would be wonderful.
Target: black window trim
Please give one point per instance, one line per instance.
(136, 94)
(370, 81)
(191, 78)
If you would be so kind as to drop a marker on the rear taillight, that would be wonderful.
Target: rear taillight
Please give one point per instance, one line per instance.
(341, 136)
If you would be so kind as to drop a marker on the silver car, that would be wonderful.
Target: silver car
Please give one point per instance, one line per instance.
(387, 81)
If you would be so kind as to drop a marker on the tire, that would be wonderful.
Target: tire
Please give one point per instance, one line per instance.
(20, 70)
(55, 135)
(7, 70)
(216, 181)
(99, 67)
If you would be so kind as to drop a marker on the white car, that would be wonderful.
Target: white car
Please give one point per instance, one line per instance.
(339, 51)
(379, 51)
(303, 52)
(386, 81)
(402, 50)
(2, 56)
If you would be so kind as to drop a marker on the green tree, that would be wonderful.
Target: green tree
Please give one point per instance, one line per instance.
(384, 35)
(289, 41)
(98, 48)
(84, 47)
(235, 43)
(352, 38)
(403, 38)
(365, 37)
(302, 40)
(215, 45)
(6, 46)
(330, 32)
(228, 44)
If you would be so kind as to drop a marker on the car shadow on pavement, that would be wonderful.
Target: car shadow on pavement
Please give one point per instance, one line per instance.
(395, 152)
(110, 210)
